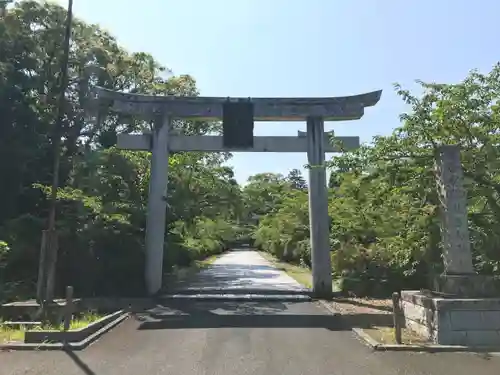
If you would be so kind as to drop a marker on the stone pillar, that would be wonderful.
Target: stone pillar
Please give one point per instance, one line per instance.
(459, 278)
(157, 206)
(318, 209)
(453, 200)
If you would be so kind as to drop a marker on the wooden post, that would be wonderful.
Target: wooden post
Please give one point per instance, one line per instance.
(68, 308)
(42, 265)
(396, 315)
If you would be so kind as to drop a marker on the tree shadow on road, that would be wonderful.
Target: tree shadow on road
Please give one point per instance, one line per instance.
(243, 291)
(81, 365)
(251, 314)
(227, 276)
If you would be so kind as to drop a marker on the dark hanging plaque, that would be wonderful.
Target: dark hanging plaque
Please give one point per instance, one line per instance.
(237, 124)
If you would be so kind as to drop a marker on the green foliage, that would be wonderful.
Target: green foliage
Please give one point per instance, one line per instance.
(383, 201)
(202, 238)
(4, 251)
(103, 191)
(284, 231)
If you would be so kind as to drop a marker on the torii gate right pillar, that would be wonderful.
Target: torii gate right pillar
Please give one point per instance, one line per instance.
(318, 209)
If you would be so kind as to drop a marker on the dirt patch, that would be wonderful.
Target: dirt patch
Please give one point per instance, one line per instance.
(385, 335)
(354, 305)
(363, 312)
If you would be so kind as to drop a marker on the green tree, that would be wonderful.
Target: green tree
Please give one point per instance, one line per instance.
(263, 192)
(296, 179)
(103, 193)
(384, 207)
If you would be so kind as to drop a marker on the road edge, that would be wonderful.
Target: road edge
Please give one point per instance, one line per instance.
(369, 341)
(68, 346)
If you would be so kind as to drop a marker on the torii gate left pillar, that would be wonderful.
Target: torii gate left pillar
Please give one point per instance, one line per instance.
(315, 142)
(157, 205)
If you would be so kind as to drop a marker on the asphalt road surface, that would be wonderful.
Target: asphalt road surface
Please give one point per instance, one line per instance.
(231, 337)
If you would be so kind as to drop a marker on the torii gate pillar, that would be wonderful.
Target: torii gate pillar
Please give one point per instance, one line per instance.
(157, 206)
(318, 209)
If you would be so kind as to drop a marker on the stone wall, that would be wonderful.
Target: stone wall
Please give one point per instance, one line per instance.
(452, 321)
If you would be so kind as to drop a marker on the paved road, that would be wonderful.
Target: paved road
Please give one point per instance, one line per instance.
(240, 271)
(235, 337)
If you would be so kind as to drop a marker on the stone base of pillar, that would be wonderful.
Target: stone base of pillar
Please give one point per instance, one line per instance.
(470, 322)
(321, 291)
(467, 286)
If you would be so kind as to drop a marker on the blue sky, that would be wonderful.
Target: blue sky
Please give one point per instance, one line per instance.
(307, 48)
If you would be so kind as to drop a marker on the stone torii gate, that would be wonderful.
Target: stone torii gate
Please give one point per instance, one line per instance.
(238, 115)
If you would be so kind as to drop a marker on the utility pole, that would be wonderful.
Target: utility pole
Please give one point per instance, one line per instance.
(49, 246)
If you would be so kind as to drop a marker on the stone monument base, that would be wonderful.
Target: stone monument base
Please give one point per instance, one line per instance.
(467, 286)
(452, 321)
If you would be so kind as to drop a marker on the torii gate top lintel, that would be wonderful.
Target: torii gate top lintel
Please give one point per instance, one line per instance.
(339, 108)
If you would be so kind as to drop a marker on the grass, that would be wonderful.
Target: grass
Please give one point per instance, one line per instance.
(203, 263)
(8, 334)
(75, 324)
(11, 335)
(385, 335)
(302, 275)
(180, 274)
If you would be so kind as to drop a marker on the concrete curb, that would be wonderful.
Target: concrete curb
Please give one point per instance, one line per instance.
(67, 346)
(238, 297)
(77, 335)
(366, 339)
